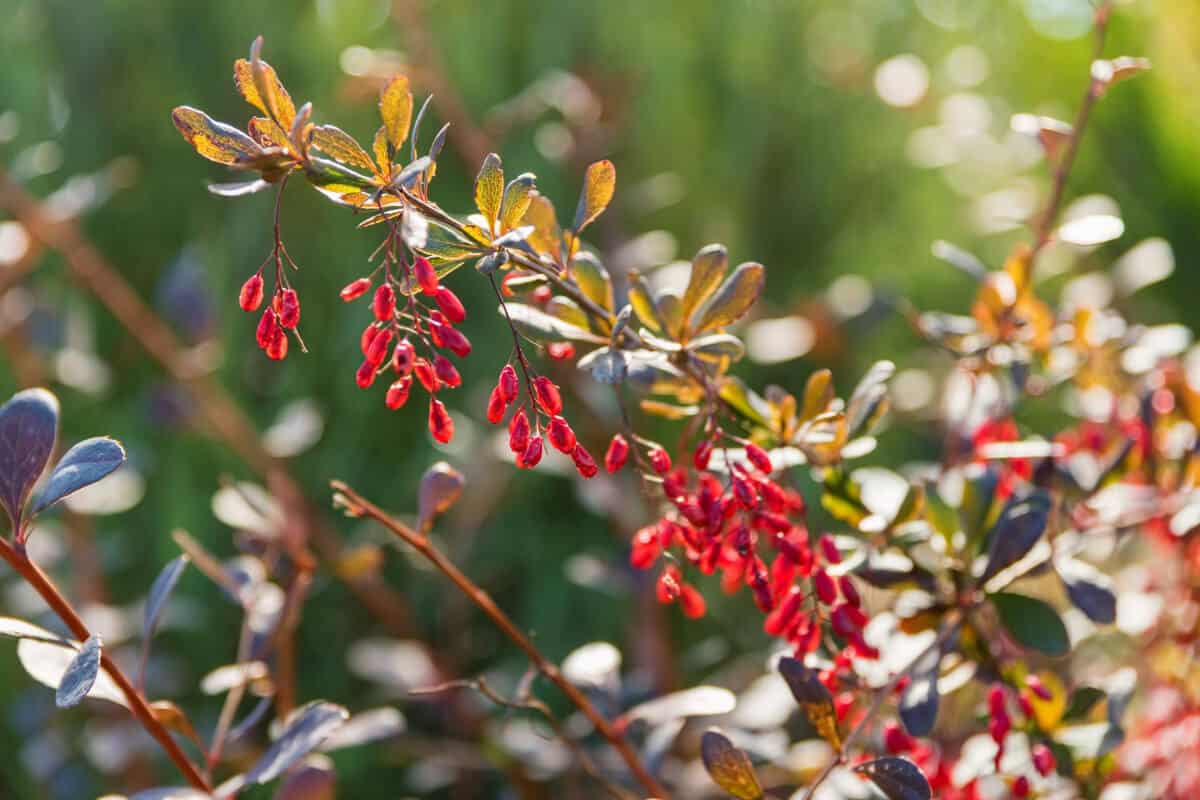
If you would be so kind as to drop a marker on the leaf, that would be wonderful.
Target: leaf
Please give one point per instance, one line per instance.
(1090, 590)
(593, 279)
(216, 141)
(957, 257)
(518, 196)
(643, 303)
(238, 188)
(732, 300)
(814, 699)
(606, 365)
(729, 767)
(919, 702)
(1016, 532)
(599, 183)
(898, 778)
(28, 428)
(84, 464)
(1092, 230)
(868, 400)
(20, 629)
(395, 109)
(699, 701)
(489, 189)
(81, 674)
(333, 178)
(341, 146)
(539, 323)
(160, 592)
(47, 663)
(745, 401)
(1032, 623)
(708, 270)
(547, 236)
(818, 394)
(261, 87)
(305, 729)
(717, 346)
(441, 486)
(1082, 701)
(365, 727)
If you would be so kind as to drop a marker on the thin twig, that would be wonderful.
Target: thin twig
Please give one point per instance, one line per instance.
(358, 506)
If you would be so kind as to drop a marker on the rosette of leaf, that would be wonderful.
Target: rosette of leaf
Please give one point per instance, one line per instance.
(284, 140)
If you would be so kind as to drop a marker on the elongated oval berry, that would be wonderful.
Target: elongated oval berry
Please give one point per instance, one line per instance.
(251, 295)
(426, 275)
(397, 393)
(289, 308)
(531, 455)
(496, 406)
(547, 395)
(355, 289)
(518, 432)
(617, 453)
(759, 458)
(404, 358)
(450, 305)
(365, 375)
(368, 335)
(824, 586)
(660, 461)
(446, 372)
(1043, 759)
(691, 602)
(584, 463)
(266, 328)
(277, 347)
(850, 591)
(440, 423)
(829, 549)
(667, 587)
(378, 351)
(562, 438)
(702, 454)
(896, 739)
(453, 340)
(508, 384)
(647, 546)
(426, 375)
(383, 304)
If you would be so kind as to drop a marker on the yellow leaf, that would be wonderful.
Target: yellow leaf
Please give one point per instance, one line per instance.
(264, 90)
(814, 699)
(668, 411)
(643, 303)
(547, 236)
(216, 141)
(598, 186)
(517, 197)
(1049, 713)
(732, 300)
(818, 394)
(342, 147)
(593, 280)
(380, 148)
(729, 767)
(489, 189)
(395, 108)
(708, 270)
(267, 132)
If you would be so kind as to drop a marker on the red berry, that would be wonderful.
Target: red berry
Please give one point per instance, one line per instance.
(496, 406)
(440, 423)
(426, 375)
(446, 372)
(560, 351)
(266, 328)
(518, 432)
(541, 295)
(660, 462)
(452, 339)
(508, 384)
(531, 455)
(846, 584)
(384, 303)
(547, 395)
(377, 352)
(1020, 787)
(702, 454)
(691, 601)
(1043, 759)
(646, 547)
(785, 613)
(368, 335)
(1037, 687)
(895, 739)
(397, 393)
(277, 347)
(830, 550)
(824, 586)
(404, 358)
(426, 275)
(450, 305)
(618, 451)
(995, 700)
(562, 438)
(668, 588)
(355, 289)
(759, 458)
(251, 295)
(289, 308)
(584, 463)
(365, 375)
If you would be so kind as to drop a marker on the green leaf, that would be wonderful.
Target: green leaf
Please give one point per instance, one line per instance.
(1032, 623)
(330, 176)
(732, 300)
(729, 767)
(1082, 701)
(743, 400)
(898, 778)
(708, 270)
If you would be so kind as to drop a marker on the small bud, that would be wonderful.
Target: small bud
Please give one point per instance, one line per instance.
(397, 393)
(277, 347)
(426, 276)
(531, 455)
(384, 303)
(496, 406)
(584, 463)
(365, 375)
(618, 452)
(289, 308)
(547, 395)
(508, 384)
(440, 423)
(660, 462)
(450, 305)
(355, 289)
(518, 432)
(759, 458)
(562, 438)
(266, 328)
(995, 700)
(404, 358)
(541, 295)
(1037, 687)
(446, 372)
(251, 295)
(560, 351)
(824, 587)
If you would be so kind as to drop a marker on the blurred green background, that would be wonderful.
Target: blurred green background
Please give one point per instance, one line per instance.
(832, 141)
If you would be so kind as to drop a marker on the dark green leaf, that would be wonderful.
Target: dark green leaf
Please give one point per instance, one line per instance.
(1082, 701)
(1032, 623)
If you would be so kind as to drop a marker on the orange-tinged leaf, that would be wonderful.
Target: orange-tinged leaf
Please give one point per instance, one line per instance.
(267, 132)
(489, 189)
(395, 108)
(380, 148)
(814, 699)
(598, 185)
(517, 197)
(342, 147)
(670, 309)
(818, 394)
(708, 270)
(593, 280)
(216, 141)
(268, 90)
(547, 236)
(643, 303)
(729, 767)
(732, 300)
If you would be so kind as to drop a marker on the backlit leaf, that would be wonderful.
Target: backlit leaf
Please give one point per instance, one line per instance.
(1090, 590)
(82, 465)
(81, 674)
(1092, 230)
(699, 701)
(643, 303)
(518, 195)
(729, 767)
(332, 177)
(814, 699)
(898, 778)
(547, 236)
(1032, 623)
(47, 663)
(708, 270)
(489, 189)
(868, 401)
(593, 279)
(599, 183)
(216, 141)
(341, 146)
(732, 300)
(28, 428)
(395, 108)
(542, 325)
(919, 702)
(818, 394)
(260, 87)
(744, 400)
(160, 592)
(239, 188)
(1016, 532)
(305, 729)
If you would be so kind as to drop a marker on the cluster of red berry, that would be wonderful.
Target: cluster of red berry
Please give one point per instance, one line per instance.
(525, 438)
(281, 316)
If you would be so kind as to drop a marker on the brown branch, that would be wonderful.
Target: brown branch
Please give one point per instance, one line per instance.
(358, 506)
(40, 581)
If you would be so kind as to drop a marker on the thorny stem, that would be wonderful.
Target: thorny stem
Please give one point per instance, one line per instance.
(358, 506)
(44, 586)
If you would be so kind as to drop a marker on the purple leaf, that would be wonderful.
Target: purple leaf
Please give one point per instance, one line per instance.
(306, 728)
(80, 675)
(83, 465)
(28, 426)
